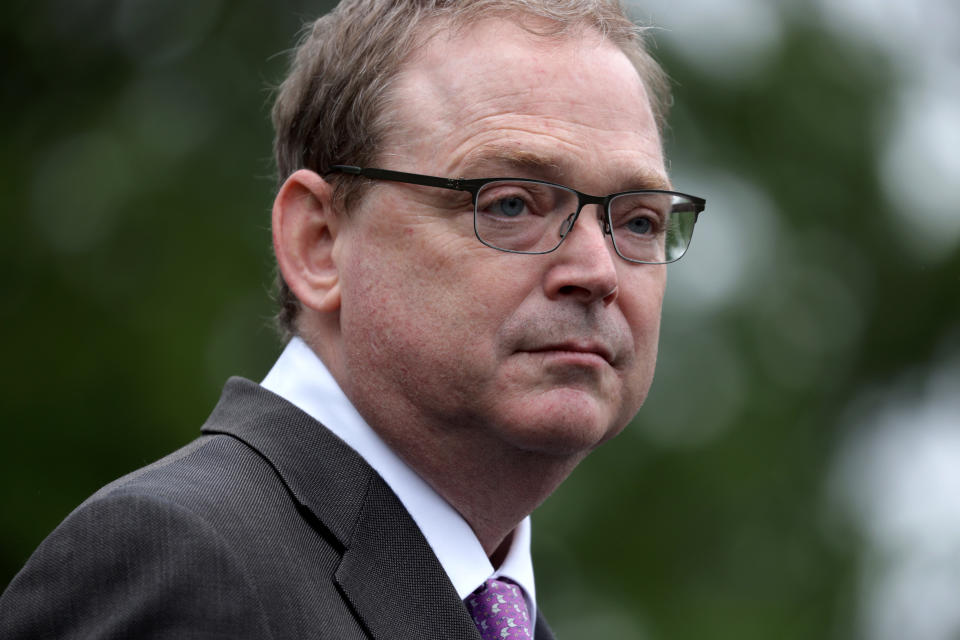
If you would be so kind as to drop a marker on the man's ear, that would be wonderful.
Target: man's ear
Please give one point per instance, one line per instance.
(305, 227)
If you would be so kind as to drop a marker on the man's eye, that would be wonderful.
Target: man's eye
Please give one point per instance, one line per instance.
(640, 225)
(509, 200)
(510, 207)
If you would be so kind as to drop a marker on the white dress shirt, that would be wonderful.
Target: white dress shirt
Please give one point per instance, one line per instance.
(301, 378)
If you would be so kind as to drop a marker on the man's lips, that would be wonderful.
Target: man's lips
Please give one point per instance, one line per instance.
(586, 348)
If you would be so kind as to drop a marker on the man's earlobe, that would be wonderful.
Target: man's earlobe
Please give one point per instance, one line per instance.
(305, 226)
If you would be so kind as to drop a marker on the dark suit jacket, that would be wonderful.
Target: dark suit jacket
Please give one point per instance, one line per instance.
(267, 526)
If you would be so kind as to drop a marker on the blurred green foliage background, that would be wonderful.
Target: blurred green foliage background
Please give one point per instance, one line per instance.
(796, 471)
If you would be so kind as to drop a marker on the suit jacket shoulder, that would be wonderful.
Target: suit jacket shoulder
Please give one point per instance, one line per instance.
(267, 526)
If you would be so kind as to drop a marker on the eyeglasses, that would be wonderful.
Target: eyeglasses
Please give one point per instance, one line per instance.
(517, 215)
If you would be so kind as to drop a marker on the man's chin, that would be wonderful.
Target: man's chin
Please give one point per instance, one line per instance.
(562, 422)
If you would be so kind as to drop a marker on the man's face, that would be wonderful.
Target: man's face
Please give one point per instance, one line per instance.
(550, 353)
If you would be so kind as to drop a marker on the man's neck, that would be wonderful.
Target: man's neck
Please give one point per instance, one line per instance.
(492, 486)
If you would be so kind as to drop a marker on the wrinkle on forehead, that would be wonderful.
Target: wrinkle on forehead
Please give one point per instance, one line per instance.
(498, 100)
(523, 162)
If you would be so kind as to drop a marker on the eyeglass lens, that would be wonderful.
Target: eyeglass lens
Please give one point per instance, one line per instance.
(534, 217)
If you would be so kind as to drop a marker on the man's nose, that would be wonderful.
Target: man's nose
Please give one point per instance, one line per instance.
(585, 264)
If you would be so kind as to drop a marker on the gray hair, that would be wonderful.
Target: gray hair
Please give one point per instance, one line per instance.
(332, 108)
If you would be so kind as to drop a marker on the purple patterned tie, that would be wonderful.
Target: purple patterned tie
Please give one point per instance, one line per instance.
(499, 611)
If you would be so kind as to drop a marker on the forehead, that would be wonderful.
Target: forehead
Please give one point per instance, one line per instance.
(493, 91)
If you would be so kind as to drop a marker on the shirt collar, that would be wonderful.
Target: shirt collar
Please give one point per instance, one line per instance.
(301, 378)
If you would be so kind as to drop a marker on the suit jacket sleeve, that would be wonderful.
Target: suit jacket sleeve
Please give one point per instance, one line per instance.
(132, 566)
(267, 526)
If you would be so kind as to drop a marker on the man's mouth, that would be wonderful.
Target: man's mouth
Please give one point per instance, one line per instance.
(573, 347)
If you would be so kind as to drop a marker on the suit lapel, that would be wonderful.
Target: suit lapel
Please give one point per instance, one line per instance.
(322, 473)
(393, 580)
(388, 573)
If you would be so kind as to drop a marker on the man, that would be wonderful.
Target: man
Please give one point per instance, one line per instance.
(466, 328)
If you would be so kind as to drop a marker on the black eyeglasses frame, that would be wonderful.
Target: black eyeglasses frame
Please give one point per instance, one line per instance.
(474, 185)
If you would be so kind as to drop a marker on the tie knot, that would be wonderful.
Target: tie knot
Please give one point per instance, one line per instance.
(499, 610)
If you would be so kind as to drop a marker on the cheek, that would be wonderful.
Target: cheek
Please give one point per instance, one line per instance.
(648, 318)
(642, 292)
(418, 294)
(642, 302)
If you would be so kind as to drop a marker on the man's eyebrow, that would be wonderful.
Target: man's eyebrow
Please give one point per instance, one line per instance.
(505, 158)
(536, 165)
(645, 179)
